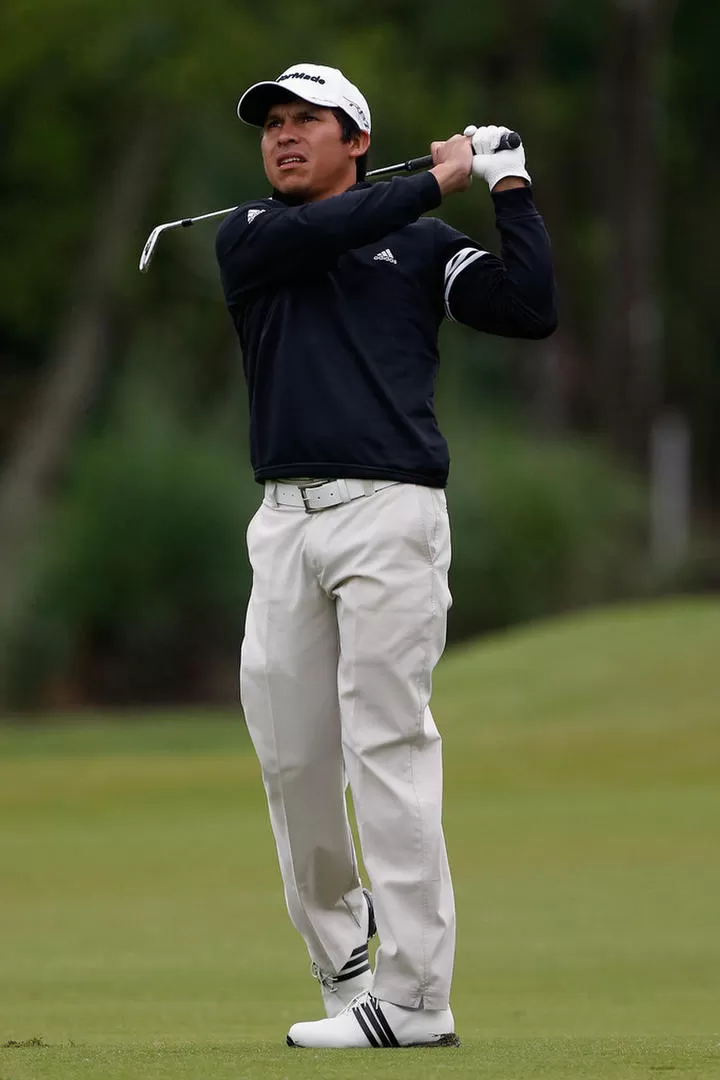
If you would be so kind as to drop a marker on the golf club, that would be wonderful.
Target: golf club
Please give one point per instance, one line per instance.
(510, 141)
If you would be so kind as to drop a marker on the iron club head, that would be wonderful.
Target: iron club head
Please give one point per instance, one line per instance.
(149, 250)
(184, 223)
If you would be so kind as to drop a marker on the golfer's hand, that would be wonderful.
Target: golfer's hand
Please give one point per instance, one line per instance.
(452, 164)
(494, 167)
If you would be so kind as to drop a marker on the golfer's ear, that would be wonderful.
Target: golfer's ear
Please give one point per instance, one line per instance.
(360, 144)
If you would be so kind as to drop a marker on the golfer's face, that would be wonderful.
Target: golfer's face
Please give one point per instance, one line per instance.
(303, 152)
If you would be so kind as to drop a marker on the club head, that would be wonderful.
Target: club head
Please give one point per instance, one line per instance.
(149, 249)
(184, 223)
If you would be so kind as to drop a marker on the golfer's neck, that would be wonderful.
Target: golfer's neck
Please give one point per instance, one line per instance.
(334, 189)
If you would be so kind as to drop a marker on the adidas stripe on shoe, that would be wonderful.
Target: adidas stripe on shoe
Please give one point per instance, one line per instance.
(358, 964)
(372, 925)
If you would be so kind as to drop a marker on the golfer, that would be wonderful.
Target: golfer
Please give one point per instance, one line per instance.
(337, 288)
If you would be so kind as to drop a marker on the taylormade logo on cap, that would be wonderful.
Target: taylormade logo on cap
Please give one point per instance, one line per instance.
(300, 75)
(315, 83)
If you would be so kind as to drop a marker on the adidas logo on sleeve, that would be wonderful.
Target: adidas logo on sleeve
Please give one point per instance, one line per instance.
(385, 256)
(252, 214)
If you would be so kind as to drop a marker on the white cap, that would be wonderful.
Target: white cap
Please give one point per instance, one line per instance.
(319, 85)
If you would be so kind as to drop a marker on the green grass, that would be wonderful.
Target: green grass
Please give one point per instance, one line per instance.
(143, 932)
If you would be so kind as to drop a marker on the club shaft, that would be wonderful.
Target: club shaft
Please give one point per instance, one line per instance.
(186, 222)
(404, 166)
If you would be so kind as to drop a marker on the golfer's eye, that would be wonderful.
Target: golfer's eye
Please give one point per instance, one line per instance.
(271, 124)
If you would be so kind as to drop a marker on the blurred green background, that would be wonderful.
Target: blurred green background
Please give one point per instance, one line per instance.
(584, 468)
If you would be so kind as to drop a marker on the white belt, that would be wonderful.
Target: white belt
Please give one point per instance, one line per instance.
(323, 494)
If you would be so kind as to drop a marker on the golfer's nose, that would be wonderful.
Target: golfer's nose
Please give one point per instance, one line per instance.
(287, 133)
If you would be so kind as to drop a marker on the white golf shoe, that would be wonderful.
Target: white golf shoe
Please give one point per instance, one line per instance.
(354, 978)
(367, 1022)
(338, 991)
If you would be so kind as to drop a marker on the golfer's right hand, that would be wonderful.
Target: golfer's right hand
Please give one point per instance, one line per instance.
(452, 166)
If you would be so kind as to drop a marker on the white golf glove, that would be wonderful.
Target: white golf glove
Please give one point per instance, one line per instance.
(491, 165)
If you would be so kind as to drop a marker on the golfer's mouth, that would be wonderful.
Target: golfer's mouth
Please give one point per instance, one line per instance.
(290, 161)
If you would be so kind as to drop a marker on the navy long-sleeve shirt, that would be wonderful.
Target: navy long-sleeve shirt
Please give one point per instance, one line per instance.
(337, 305)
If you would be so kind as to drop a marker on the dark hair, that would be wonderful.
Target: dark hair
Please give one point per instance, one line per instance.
(349, 130)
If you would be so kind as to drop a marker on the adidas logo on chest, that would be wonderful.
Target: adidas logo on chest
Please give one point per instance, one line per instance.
(385, 256)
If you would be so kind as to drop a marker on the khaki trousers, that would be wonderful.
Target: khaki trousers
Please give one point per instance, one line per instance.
(345, 624)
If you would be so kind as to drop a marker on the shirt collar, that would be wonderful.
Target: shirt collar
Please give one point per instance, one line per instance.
(290, 200)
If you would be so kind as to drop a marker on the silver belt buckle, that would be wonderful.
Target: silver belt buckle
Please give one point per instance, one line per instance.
(303, 488)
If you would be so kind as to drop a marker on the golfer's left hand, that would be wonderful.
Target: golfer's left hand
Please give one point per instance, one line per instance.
(452, 164)
(494, 166)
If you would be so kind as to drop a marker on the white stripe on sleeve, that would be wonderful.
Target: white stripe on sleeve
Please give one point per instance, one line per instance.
(454, 267)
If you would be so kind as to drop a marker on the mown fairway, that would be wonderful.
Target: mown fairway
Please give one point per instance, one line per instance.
(143, 932)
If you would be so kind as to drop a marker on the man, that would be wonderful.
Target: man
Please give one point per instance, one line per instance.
(337, 289)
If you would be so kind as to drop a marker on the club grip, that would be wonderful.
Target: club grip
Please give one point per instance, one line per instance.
(509, 141)
(418, 163)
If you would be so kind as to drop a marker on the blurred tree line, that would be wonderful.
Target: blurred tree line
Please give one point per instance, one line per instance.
(125, 486)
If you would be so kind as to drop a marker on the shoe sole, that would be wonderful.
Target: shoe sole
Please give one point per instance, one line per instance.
(450, 1039)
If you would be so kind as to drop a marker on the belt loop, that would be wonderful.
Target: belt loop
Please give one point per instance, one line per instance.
(271, 492)
(343, 492)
